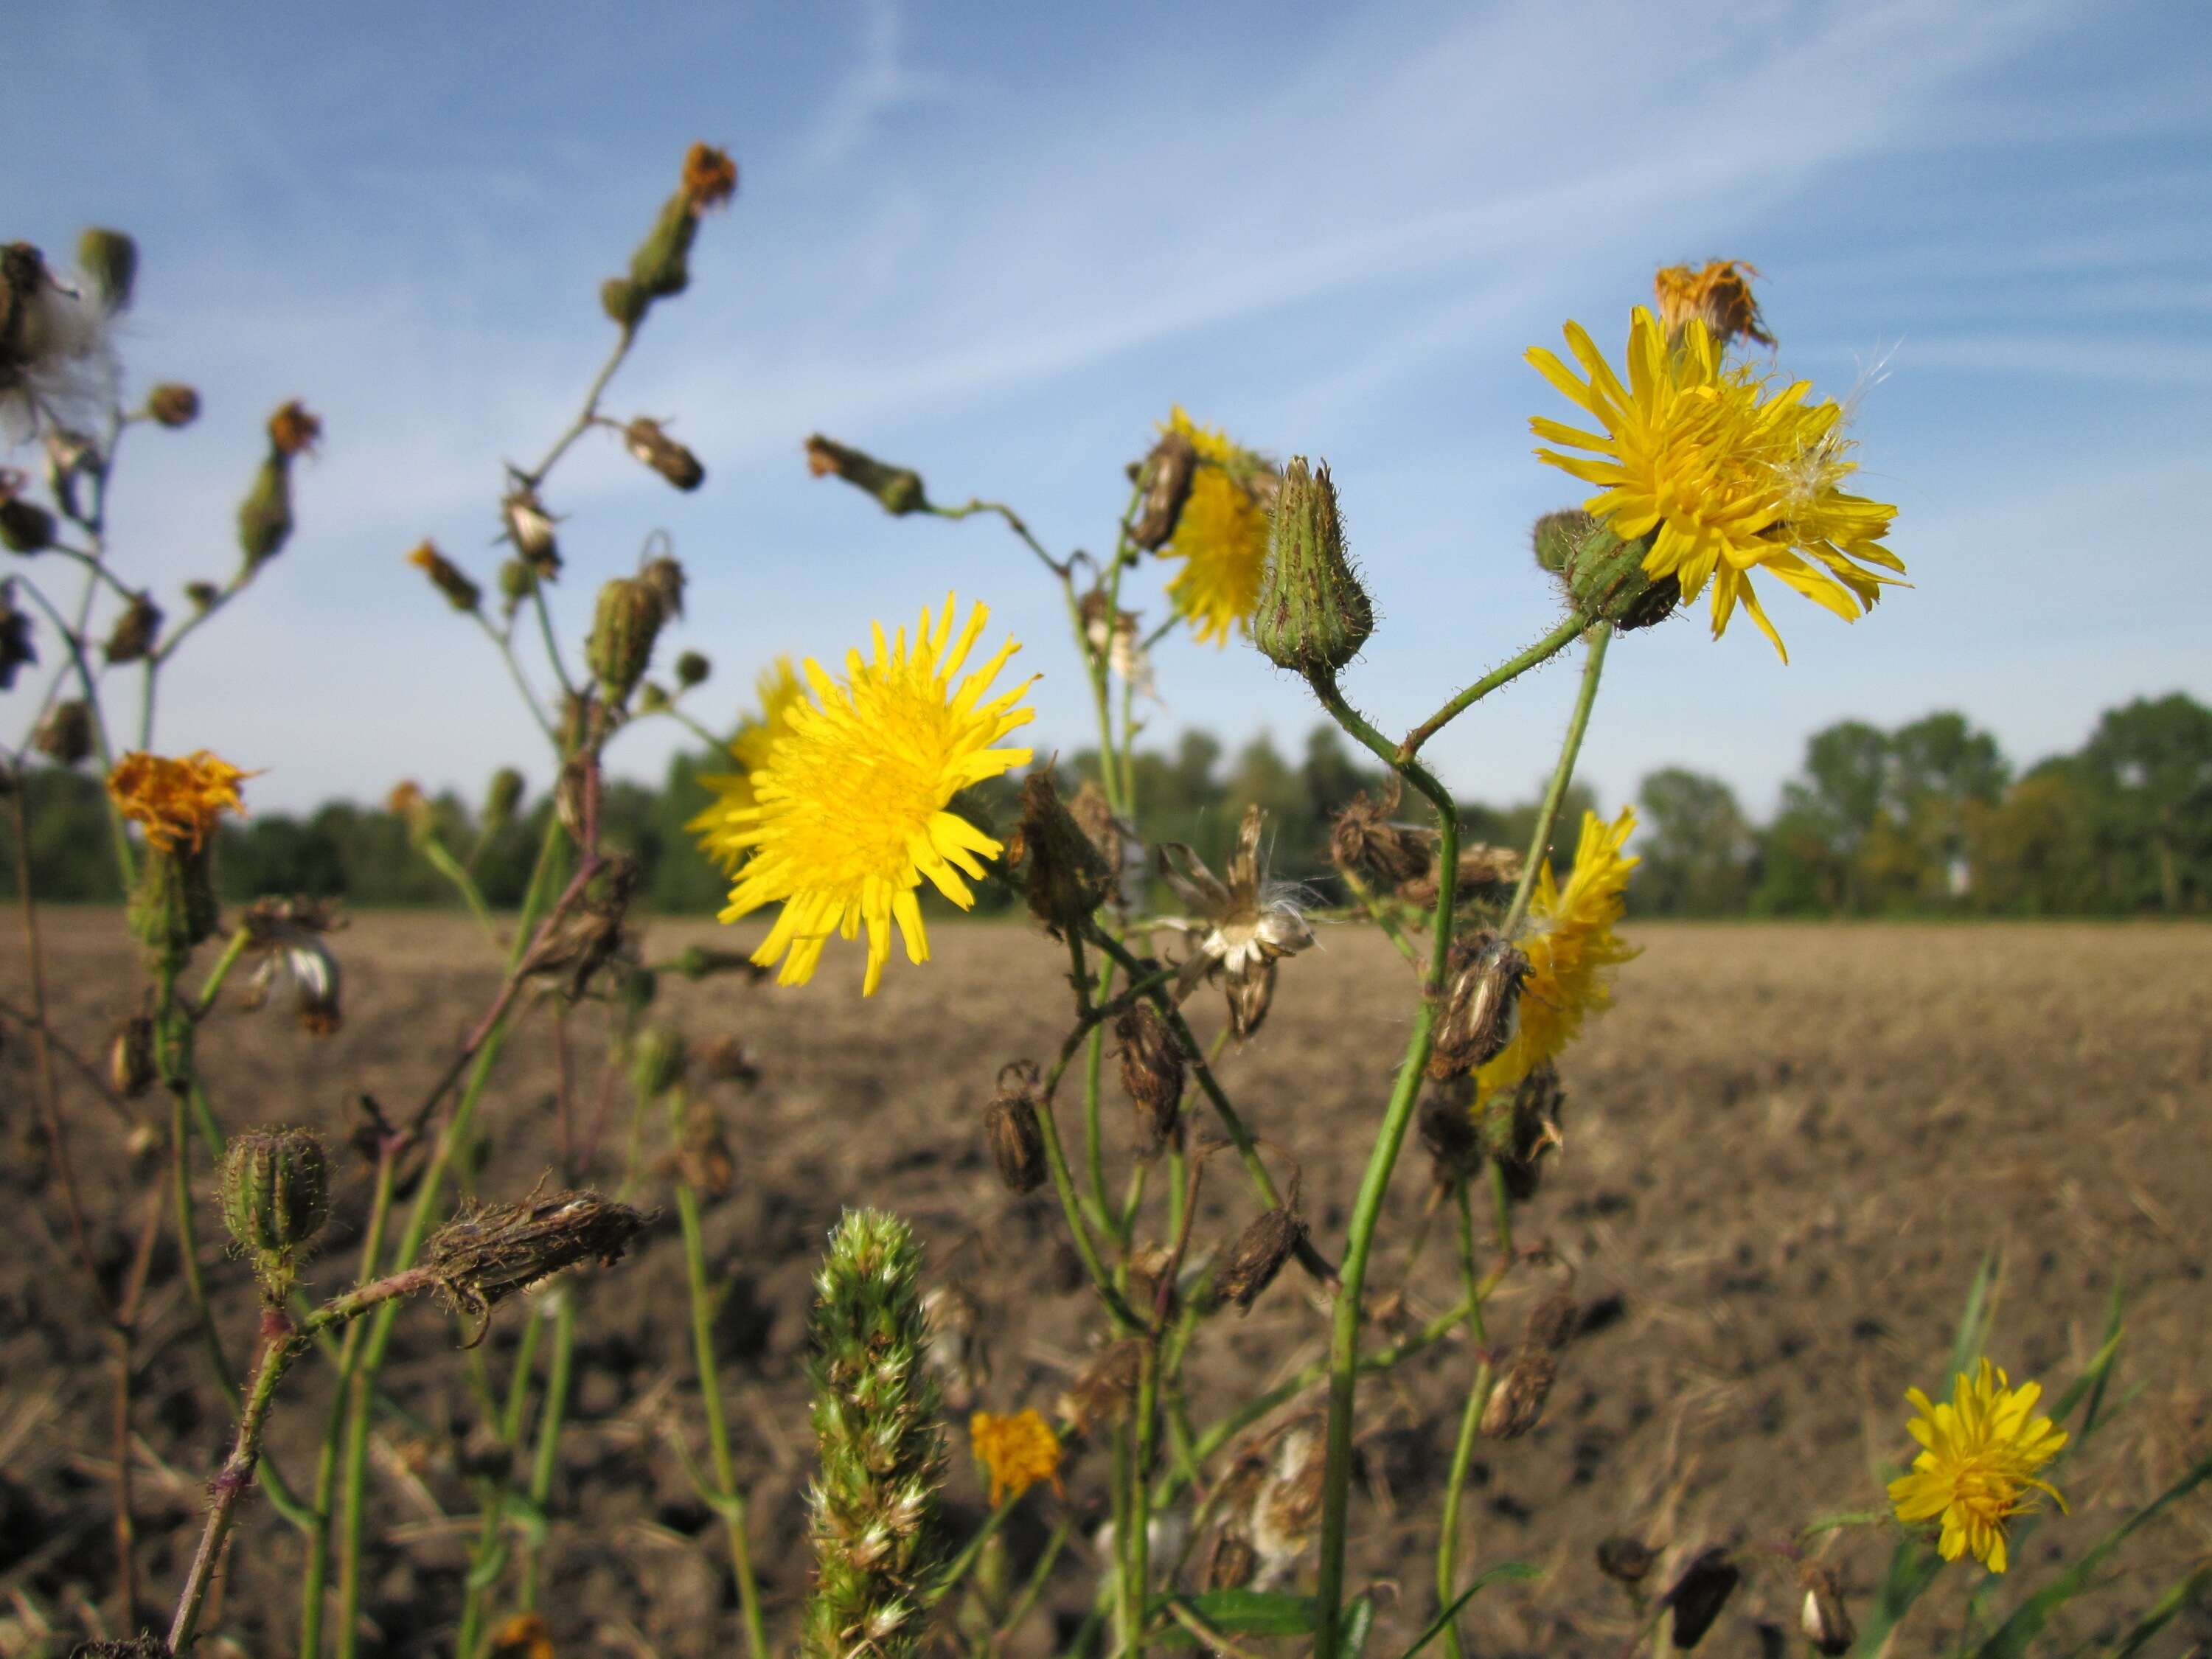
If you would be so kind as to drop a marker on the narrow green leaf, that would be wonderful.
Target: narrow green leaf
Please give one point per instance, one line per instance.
(1358, 1623)
(1243, 1613)
(2161, 1614)
(1974, 1322)
(1497, 1573)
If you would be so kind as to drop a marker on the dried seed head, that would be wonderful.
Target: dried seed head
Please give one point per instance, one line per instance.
(1626, 1560)
(665, 576)
(654, 448)
(1365, 840)
(447, 577)
(530, 528)
(64, 736)
(1231, 1563)
(1287, 1512)
(1104, 1390)
(293, 430)
(1522, 1127)
(1166, 478)
(173, 405)
(1010, 1128)
(1516, 1404)
(1824, 1618)
(1249, 998)
(1312, 615)
(24, 527)
(898, 488)
(15, 648)
(1448, 1133)
(130, 1057)
(702, 1154)
(488, 1252)
(1259, 1254)
(1152, 1070)
(1116, 842)
(1552, 1322)
(1481, 1002)
(276, 1197)
(110, 259)
(1479, 866)
(132, 637)
(1699, 1594)
(1149, 1268)
(1063, 876)
(656, 1062)
(1718, 294)
(624, 626)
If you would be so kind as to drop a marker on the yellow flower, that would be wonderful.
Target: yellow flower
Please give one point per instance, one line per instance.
(1571, 949)
(1222, 537)
(849, 812)
(1980, 1452)
(177, 801)
(1017, 1451)
(717, 827)
(1725, 476)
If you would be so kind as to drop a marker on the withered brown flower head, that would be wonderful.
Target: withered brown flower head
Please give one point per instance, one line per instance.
(710, 177)
(1516, 1404)
(1011, 1130)
(1366, 842)
(1519, 1129)
(1241, 928)
(1697, 1597)
(1480, 1001)
(1152, 1070)
(1106, 1388)
(286, 934)
(293, 430)
(1259, 1254)
(1718, 294)
(1064, 877)
(1165, 476)
(1479, 866)
(489, 1252)
(1117, 844)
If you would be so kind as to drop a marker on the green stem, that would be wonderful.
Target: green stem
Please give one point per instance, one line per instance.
(1357, 886)
(1550, 646)
(233, 948)
(1367, 1207)
(1562, 775)
(433, 851)
(1470, 1427)
(733, 1503)
(558, 1379)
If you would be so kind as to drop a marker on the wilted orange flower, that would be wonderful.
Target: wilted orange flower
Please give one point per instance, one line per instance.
(293, 430)
(176, 801)
(710, 177)
(1718, 294)
(1016, 1450)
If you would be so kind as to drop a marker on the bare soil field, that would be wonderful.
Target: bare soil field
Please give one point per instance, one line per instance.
(1787, 1149)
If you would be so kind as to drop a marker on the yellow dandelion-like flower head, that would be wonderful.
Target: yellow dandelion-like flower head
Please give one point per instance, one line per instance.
(1571, 949)
(1222, 537)
(1726, 475)
(717, 827)
(1979, 1451)
(176, 801)
(848, 812)
(1016, 1450)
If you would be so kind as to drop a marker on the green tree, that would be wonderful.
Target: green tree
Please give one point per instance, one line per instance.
(1697, 847)
(2149, 766)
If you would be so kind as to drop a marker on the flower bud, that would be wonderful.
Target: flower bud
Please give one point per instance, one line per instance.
(1604, 575)
(1516, 1404)
(489, 1252)
(656, 1062)
(1063, 876)
(898, 489)
(276, 1197)
(692, 669)
(447, 577)
(1312, 614)
(1152, 1070)
(1824, 1618)
(110, 259)
(661, 266)
(503, 795)
(173, 906)
(264, 517)
(530, 528)
(130, 1057)
(15, 649)
(412, 808)
(1012, 1132)
(24, 527)
(1258, 1255)
(623, 629)
(173, 405)
(64, 736)
(1480, 1003)
(1166, 478)
(132, 637)
(1555, 535)
(517, 582)
(656, 449)
(1699, 1594)
(203, 595)
(665, 576)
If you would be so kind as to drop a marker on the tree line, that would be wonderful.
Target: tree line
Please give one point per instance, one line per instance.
(1929, 818)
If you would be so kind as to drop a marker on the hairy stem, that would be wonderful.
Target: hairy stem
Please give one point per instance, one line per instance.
(1562, 775)
(1550, 646)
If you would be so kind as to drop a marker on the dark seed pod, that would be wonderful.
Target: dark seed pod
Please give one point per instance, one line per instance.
(1481, 1003)
(1824, 1618)
(489, 1252)
(1366, 840)
(1516, 1404)
(898, 489)
(1448, 1133)
(64, 736)
(656, 449)
(1258, 1255)
(1151, 1069)
(1063, 876)
(1626, 1560)
(1699, 1594)
(1231, 1563)
(1523, 1126)
(1551, 1321)
(1166, 478)
(24, 527)
(1106, 1389)
(1010, 1128)
(132, 637)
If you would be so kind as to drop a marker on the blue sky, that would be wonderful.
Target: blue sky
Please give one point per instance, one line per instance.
(995, 243)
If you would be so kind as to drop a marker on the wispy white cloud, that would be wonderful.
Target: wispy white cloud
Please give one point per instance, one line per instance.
(880, 82)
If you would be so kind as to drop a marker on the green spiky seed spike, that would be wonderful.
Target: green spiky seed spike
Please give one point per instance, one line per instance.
(877, 1538)
(1313, 615)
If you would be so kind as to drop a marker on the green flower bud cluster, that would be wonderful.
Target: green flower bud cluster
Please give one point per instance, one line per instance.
(875, 1524)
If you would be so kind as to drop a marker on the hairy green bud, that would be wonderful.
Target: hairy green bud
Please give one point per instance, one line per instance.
(692, 669)
(876, 1530)
(898, 489)
(623, 629)
(656, 1062)
(111, 259)
(1604, 575)
(173, 906)
(264, 517)
(1313, 615)
(276, 1197)
(501, 798)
